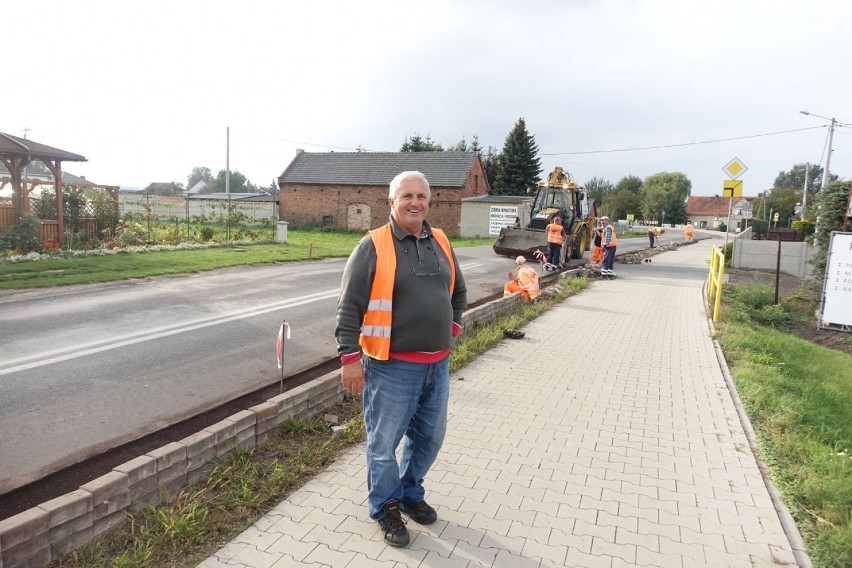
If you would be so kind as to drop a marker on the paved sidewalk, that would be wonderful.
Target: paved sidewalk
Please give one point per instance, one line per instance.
(605, 438)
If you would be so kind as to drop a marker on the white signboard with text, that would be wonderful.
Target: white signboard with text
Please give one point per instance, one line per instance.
(837, 288)
(501, 216)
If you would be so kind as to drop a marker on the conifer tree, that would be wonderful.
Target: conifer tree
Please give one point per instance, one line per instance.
(519, 167)
(831, 203)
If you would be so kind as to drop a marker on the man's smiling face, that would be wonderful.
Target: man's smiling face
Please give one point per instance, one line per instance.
(411, 205)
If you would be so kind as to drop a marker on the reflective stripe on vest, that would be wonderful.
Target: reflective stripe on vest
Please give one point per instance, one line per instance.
(376, 327)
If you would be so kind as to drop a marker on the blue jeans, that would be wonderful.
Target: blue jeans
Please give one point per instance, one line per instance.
(408, 402)
(553, 251)
(609, 259)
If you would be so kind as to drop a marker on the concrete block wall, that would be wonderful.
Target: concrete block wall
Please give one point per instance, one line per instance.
(42, 534)
(763, 255)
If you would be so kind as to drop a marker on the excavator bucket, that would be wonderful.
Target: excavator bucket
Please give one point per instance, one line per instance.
(514, 242)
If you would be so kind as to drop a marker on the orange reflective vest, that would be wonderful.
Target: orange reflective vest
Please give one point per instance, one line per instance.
(376, 327)
(554, 233)
(613, 239)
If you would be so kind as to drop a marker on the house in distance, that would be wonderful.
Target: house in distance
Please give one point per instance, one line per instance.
(349, 190)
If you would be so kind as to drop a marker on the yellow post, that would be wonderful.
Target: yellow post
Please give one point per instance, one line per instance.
(714, 280)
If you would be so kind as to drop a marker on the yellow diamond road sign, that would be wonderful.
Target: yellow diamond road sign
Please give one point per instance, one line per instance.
(734, 168)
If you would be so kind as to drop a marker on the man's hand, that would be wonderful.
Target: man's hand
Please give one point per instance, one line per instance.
(352, 377)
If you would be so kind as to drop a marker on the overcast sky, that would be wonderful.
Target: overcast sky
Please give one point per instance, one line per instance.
(145, 90)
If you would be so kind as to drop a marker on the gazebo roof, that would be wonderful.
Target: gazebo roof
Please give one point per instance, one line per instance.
(14, 147)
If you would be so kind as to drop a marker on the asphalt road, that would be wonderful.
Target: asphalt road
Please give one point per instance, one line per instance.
(86, 368)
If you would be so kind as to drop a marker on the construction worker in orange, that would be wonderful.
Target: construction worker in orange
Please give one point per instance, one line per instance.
(597, 249)
(511, 286)
(610, 242)
(689, 232)
(527, 279)
(555, 236)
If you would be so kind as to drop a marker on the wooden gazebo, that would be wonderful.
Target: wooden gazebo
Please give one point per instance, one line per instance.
(15, 154)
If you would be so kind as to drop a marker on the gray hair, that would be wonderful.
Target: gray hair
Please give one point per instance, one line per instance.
(413, 174)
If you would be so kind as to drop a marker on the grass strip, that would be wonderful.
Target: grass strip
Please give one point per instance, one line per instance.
(798, 397)
(302, 245)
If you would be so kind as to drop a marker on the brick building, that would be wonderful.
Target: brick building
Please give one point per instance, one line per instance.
(712, 212)
(349, 190)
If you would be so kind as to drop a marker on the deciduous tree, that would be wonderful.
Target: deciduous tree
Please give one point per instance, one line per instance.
(795, 178)
(782, 200)
(199, 173)
(238, 183)
(666, 191)
(598, 188)
(619, 204)
(631, 183)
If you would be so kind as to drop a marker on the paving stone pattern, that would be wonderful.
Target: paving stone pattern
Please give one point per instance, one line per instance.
(605, 438)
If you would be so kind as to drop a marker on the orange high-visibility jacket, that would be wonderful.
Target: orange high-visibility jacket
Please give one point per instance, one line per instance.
(376, 327)
(613, 239)
(554, 233)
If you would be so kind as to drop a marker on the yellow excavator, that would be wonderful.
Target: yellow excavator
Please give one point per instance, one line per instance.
(557, 196)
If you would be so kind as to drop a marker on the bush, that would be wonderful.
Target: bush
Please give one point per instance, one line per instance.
(206, 233)
(757, 304)
(806, 227)
(22, 238)
(129, 234)
(773, 316)
(754, 298)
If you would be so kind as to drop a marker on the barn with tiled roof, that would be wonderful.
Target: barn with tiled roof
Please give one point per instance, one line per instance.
(348, 190)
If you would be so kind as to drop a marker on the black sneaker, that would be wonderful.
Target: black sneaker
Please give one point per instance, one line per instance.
(419, 511)
(393, 526)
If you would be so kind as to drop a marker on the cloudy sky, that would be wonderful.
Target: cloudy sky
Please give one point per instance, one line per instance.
(146, 90)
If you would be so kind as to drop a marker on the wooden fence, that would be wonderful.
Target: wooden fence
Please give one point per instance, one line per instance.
(48, 229)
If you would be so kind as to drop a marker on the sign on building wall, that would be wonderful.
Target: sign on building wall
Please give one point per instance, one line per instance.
(501, 216)
(837, 289)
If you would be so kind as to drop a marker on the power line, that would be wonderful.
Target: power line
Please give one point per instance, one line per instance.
(681, 144)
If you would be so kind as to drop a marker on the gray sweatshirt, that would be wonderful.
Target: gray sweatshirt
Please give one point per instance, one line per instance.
(423, 308)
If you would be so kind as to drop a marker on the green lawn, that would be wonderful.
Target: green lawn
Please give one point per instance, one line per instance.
(798, 396)
(302, 245)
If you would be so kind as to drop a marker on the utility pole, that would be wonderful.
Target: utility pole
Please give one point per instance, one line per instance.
(805, 190)
(228, 180)
(828, 153)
